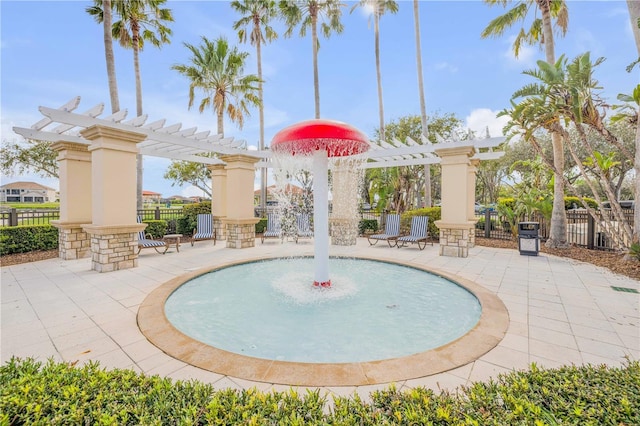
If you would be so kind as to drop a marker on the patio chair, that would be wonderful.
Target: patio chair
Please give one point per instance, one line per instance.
(303, 226)
(391, 231)
(147, 241)
(274, 229)
(419, 233)
(204, 229)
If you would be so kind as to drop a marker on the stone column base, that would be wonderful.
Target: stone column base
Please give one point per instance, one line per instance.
(241, 233)
(73, 241)
(456, 238)
(114, 247)
(220, 228)
(344, 232)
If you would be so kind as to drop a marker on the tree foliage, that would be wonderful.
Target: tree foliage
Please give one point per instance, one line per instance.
(29, 156)
(187, 172)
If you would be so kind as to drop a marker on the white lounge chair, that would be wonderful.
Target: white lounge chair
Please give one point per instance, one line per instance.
(204, 229)
(419, 233)
(274, 228)
(303, 227)
(147, 241)
(391, 231)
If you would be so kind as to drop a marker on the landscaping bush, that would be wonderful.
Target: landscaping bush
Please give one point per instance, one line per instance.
(434, 214)
(189, 220)
(26, 238)
(57, 393)
(570, 201)
(367, 225)
(261, 226)
(480, 224)
(156, 228)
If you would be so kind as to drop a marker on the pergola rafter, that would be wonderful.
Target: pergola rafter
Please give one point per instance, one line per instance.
(173, 142)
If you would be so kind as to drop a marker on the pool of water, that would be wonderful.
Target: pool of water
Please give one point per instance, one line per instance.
(373, 311)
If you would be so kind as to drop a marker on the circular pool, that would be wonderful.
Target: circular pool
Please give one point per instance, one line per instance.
(373, 311)
(380, 322)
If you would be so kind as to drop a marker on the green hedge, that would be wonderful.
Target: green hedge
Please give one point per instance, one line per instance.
(26, 238)
(156, 228)
(569, 201)
(434, 213)
(189, 220)
(57, 393)
(367, 225)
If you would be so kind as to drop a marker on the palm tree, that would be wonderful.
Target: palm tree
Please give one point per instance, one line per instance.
(256, 15)
(137, 23)
(423, 106)
(217, 70)
(541, 31)
(378, 7)
(101, 11)
(306, 13)
(634, 15)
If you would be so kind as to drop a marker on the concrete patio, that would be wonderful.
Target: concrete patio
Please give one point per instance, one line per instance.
(561, 311)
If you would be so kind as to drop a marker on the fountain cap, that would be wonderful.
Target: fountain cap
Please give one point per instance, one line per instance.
(337, 138)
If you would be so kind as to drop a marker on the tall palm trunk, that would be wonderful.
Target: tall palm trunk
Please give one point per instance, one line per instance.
(634, 15)
(558, 229)
(109, 57)
(220, 116)
(376, 30)
(263, 170)
(135, 40)
(316, 80)
(423, 107)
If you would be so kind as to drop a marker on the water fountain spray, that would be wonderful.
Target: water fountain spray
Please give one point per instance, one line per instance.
(321, 139)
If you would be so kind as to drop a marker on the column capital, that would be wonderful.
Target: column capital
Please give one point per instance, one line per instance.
(69, 146)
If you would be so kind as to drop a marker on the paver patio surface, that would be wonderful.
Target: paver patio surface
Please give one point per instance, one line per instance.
(561, 311)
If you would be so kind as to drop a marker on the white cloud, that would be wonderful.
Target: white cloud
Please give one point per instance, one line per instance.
(192, 191)
(446, 66)
(526, 55)
(482, 118)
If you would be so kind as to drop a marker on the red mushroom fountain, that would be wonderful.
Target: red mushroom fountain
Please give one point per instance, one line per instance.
(321, 139)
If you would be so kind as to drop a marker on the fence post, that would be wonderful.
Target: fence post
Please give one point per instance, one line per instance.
(591, 225)
(487, 223)
(13, 217)
(157, 213)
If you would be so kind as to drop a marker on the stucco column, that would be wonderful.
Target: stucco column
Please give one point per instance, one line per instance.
(218, 198)
(344, 218)
(457, 231)
(113, 186)
(74, 170)
(240, 221)
(471, 197)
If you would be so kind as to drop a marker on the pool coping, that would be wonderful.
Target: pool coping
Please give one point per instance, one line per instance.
(487, 333)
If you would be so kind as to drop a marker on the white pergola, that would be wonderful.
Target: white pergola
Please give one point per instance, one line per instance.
(176, 143)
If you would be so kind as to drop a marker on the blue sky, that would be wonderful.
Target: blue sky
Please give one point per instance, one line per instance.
(52, 51)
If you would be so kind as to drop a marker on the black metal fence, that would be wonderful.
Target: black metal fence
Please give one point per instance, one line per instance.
(583, 229)
(15, 217)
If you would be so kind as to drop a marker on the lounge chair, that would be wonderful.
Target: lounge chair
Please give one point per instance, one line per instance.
(303, 226)
(391, 231)
(147, 241)
(274, 229)
(204, 229)
(419, 233)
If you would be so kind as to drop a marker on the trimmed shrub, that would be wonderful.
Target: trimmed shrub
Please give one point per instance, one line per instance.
(480, 224)
(570, 201)
(367, 225)
(156, 228)
(434, 213)
(189, 220)
(58, 393)
(26, 238)
(261, 226)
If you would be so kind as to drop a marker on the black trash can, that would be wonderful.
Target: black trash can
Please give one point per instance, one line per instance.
(529, 238)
